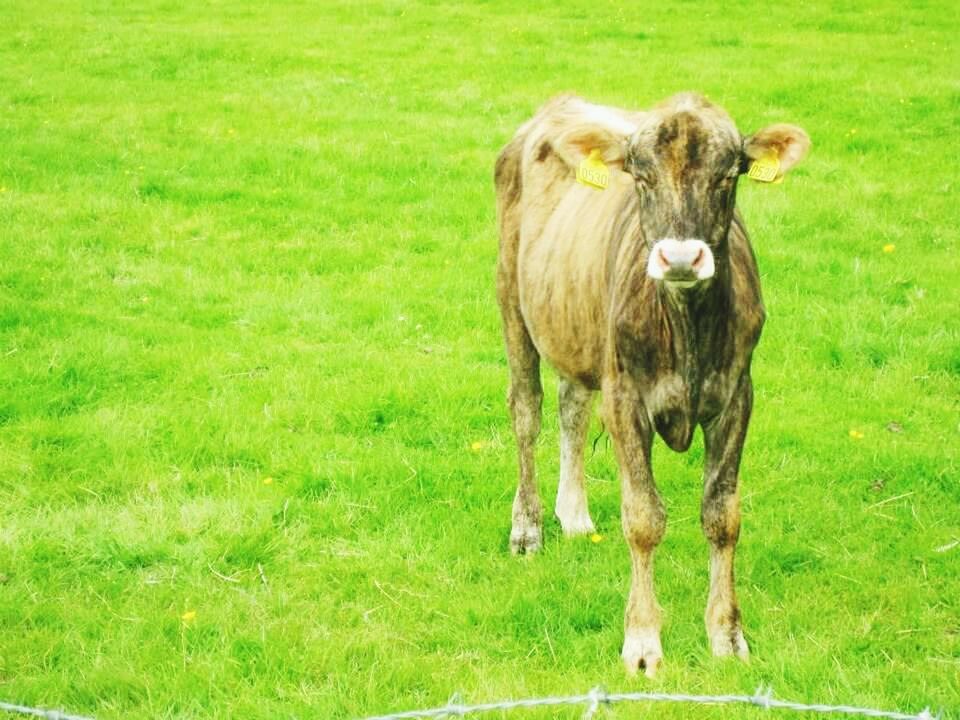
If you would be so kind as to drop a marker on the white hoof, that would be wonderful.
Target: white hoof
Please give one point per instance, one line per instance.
(642, 651)
(729, 641)
(575, 523)
(527, 538)
(573, 512)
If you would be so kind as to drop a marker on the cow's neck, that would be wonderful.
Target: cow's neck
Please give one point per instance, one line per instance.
(694, 333)
(694, 321)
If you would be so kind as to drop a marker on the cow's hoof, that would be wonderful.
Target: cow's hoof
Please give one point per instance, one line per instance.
(575, 524)
(572, 510)
(642, 651)
(525, 540)
(727, 641)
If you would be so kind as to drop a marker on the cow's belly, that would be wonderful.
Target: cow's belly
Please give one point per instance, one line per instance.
(566, 325)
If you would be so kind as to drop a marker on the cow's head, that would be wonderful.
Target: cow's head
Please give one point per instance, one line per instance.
(685, 157)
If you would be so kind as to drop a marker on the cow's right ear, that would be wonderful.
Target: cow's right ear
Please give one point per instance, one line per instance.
(577, 143)
(583, 127)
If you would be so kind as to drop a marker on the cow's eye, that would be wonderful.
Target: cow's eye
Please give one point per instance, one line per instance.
(646, 179)
(727, 179)
(643, 171)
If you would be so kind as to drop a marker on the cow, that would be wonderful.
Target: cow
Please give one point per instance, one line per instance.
(648, 291)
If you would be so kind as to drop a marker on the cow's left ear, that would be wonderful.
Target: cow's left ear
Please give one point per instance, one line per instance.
(787, 142)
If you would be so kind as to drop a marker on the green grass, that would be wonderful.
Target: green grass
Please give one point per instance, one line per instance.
(242, 241)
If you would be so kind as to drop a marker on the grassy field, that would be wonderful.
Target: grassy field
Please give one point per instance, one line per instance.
(255, 460)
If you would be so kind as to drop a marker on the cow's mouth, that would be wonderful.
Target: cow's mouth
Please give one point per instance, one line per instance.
(681, 284)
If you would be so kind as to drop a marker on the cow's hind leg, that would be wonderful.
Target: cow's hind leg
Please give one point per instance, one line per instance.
(572, 511)
(526, 399)
(720, 515)
(526, 394)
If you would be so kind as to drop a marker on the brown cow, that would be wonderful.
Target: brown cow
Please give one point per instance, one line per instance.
(647, 290)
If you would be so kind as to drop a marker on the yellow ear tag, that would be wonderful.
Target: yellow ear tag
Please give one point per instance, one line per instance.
(593, 172)
(766, 169)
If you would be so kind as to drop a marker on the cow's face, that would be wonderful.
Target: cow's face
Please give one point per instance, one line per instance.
(686, 157)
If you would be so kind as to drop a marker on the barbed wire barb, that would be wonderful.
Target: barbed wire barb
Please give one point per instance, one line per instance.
(454, 706)
(763, 696)
(597, 695)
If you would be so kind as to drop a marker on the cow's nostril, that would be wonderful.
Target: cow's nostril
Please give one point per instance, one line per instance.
(663, 259)
(697, 260)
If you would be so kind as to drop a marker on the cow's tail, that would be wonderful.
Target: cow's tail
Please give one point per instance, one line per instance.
(508, 180)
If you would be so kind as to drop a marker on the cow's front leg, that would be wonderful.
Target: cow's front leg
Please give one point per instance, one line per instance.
(720, 516)
(644, 521)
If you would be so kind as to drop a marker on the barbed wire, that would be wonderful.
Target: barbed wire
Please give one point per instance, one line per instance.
(762, 697)
(40, 712)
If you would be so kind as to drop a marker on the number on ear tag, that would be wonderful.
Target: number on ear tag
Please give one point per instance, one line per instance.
(593, 172)
(766, 169)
